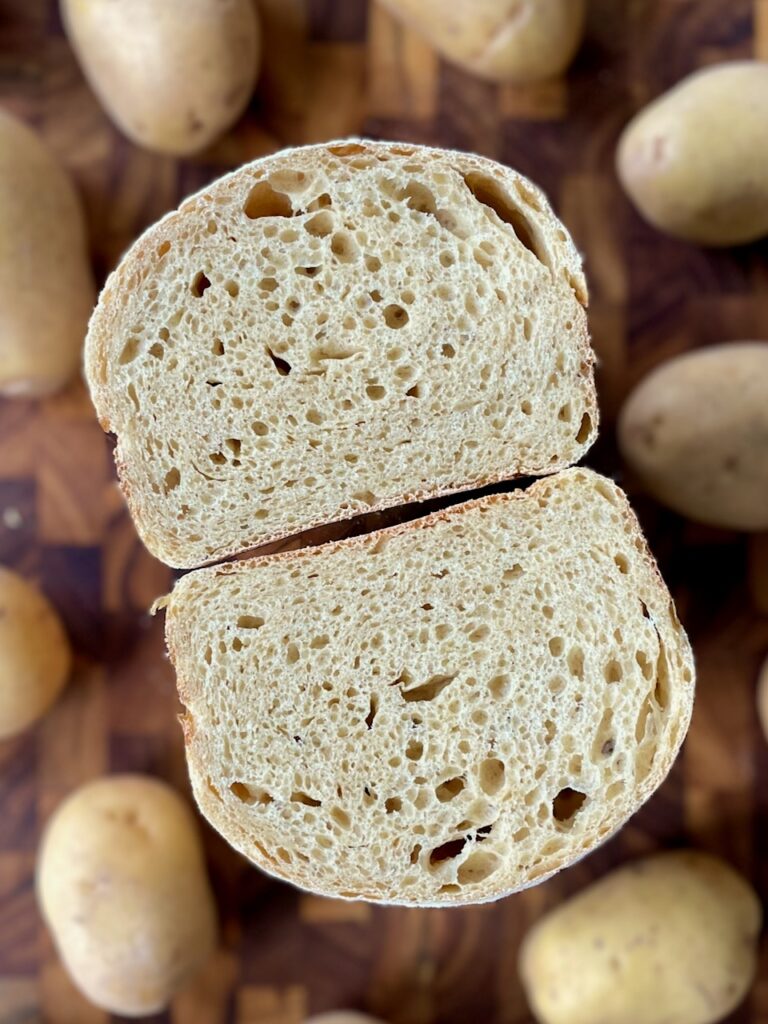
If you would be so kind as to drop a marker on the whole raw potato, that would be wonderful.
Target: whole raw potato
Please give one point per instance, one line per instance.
(35, 658)
(172, 74)
(504, 40)
(671, 939)
(46, 287)
(695, 431)
(122, 886)
(693, 162)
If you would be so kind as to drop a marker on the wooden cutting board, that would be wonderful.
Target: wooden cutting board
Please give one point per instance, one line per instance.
(336, 67)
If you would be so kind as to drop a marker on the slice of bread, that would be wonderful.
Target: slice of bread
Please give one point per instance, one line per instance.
(439, 713)
(334, 330)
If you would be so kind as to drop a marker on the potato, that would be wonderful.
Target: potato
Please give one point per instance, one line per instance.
(46, 287)
(35, 658)
(503, 40)
(695, 431)
(693, 162)
(173, 75)
(122, 886)
(671, 939)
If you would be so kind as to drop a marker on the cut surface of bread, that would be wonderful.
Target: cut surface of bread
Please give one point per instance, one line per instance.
(439, 713)
(333, 330)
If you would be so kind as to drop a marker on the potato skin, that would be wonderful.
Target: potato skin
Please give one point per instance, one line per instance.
(46, 286)
(35, 657)
(502, 40)
(671, 939)
(121, 884)
(695, 431)
(693, 161)
(172, 75)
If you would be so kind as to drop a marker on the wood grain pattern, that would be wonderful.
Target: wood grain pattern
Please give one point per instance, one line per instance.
(338, 67)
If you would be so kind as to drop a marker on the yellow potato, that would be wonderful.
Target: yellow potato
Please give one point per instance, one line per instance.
(693, 162)
(695, 431)
(172, 74)
(671, 939)
(35, 657)
(503, 40)
(122, 886)
(46, 287)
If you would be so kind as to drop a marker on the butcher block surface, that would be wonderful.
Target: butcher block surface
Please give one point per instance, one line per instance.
(336, 68)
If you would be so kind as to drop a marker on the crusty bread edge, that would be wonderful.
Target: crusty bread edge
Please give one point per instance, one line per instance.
(97, 361)
(179, 643)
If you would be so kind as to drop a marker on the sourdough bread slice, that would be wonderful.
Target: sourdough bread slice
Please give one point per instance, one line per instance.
(333, 330)
(439, 713)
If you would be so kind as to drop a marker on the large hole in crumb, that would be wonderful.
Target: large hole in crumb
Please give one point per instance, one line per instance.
(282, 366)
(491, 775)
(129, 351)
(585, 428)
(373, 709)
(661, 689)
(320, 225)
(488, 192)
(298, 797)
(567, 805)
(347, 149)
(478, 866)
(500, 686)
(449, 789)
(250, 622)
(418, 197)
(344, 247)
(427, 691)
(613, 671)
(247, 795)
(200, 284)
(172, 480)
(414, 750)
(395, 317)
(264, 201)
(448, 851)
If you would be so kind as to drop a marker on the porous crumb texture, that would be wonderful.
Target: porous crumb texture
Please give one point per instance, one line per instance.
(333, 330)
(439, 713)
